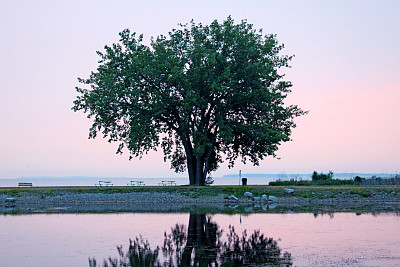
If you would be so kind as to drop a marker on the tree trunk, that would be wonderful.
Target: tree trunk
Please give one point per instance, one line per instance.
(207, 161)
(202, 240)
(191, 170)
(200, 220)
(199, 170)
(190, 159)
(197, 165)
(191, 241)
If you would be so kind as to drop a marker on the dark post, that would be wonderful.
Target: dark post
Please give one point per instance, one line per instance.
(244, 181)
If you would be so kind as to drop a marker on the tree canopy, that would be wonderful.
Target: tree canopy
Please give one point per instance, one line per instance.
(204, 94)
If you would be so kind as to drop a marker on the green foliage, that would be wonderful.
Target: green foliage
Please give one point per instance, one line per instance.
(236, 190)
(305, 195)
(358, 180)
(14, 192)
(323, 182)
(360, 192)
(321, 176)
(333, 195)
(201, 92)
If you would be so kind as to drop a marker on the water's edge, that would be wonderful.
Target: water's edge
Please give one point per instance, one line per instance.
(175, 202)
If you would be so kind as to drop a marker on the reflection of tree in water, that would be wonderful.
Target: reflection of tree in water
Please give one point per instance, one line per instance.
(201, 245)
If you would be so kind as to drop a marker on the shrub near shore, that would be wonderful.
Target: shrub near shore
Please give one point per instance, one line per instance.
(316, 179)
(293, 182)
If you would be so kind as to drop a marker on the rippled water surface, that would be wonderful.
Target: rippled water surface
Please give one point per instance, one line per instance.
(300, 239)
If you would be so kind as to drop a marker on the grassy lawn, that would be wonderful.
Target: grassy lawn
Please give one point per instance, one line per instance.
(199, 191)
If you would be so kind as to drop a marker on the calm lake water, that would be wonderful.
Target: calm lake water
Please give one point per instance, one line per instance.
(72, 181)
(304, 239)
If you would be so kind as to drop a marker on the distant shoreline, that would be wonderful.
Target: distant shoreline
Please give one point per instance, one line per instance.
(308, 175)
(244, 175)
(49, 181)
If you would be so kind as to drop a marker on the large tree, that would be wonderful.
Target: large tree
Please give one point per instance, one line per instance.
(201, 93)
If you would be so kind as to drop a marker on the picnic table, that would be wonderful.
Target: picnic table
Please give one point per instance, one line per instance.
(136, 183)
(104, 183)
(167, 183)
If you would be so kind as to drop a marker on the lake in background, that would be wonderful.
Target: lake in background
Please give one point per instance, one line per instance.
(122, 181)
(231, 179)
(339, 239)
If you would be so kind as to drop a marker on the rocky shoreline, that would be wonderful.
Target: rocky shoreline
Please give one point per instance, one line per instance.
(166, 202)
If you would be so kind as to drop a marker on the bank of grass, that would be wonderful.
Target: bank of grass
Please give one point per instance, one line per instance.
(312, 183)
(309, 191)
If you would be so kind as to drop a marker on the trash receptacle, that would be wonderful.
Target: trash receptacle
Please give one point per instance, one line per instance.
(244, 181)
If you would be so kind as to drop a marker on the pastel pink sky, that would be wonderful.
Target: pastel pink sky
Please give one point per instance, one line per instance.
(346, 72)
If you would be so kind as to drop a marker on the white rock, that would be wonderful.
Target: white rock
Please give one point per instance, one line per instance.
(264, 197)
(248, 194)
(272, 198)
(288, 190)
(232, 197)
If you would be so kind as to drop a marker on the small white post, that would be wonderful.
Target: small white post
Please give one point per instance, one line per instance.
(240, 176)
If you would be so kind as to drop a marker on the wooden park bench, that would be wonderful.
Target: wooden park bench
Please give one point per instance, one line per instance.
(104, 183)
(167, 183)
(24, 184)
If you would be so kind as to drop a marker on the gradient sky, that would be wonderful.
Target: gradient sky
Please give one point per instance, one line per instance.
(346, 72)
